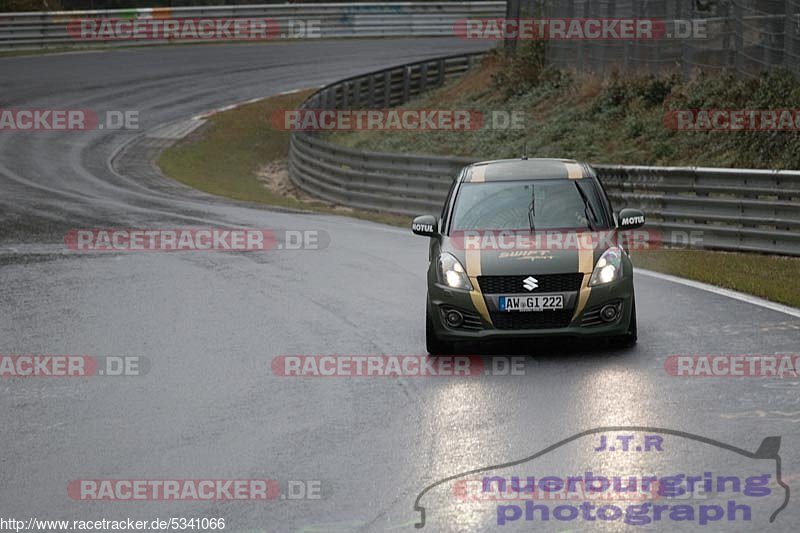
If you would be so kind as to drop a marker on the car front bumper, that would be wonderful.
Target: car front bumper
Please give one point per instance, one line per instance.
(482, 324)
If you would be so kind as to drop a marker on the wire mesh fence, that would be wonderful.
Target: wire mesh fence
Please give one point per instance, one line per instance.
(742, 36)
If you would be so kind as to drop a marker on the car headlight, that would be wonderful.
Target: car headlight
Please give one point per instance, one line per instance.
(608, 268)
(452, 273)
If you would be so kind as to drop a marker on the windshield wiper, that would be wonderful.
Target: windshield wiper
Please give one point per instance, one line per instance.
(588, 210)
(532, 207)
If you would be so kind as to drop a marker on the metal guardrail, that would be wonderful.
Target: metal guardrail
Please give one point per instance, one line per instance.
(400, 19)
(728, 209)
(399, 183)
(725, 209)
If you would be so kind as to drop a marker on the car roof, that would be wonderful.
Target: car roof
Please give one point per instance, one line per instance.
(526, 169)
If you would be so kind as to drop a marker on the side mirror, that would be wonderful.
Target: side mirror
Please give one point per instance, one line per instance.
(631, 219)
(426, 225)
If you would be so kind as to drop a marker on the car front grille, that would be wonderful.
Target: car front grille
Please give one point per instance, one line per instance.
(547, 283)
(533, 320)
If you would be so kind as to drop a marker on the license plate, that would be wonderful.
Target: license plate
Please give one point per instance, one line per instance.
(531, 303)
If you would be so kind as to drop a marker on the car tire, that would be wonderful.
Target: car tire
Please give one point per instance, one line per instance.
(628, 340)
(433, 343)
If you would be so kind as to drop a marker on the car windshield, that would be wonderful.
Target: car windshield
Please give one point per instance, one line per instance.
(536, 204)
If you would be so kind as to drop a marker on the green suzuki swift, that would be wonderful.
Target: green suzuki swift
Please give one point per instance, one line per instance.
(528, 248)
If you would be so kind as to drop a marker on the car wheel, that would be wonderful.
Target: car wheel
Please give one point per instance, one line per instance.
(629, 339)
(433, 344)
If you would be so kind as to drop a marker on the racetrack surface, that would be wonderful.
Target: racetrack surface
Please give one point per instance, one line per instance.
(211, 323)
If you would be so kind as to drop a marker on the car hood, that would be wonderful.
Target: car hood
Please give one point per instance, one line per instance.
(570, 252)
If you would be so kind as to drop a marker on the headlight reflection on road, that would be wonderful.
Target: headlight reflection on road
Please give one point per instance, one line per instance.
(617, 396)
(462, 420)
(459, 420)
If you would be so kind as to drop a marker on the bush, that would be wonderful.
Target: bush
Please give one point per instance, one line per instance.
(520, 69)
(645, 91)
(777, 89)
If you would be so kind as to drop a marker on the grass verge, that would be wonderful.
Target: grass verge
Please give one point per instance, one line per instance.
(770, 277)
(225, 157)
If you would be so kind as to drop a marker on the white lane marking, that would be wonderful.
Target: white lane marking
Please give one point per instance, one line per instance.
(345, 220)
(213, 112)
(753, 300)
(176, 130)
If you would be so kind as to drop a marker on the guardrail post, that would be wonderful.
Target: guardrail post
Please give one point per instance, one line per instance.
(406, 83)
(329, 99)
(371, 91)
(423, 77)
(343, 100)
(440, 67)
(387, 88)
(357, 93)
(351, 94)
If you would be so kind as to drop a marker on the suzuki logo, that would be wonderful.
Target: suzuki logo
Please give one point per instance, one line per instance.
(530, 283)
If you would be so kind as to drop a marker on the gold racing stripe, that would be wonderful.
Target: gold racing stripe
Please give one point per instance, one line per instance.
(585, 265)
(479, 302)
(473, 262)
(574, 171)
(473, 267)
(478, 174)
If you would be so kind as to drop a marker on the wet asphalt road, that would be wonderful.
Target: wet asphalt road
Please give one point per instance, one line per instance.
(210, 325)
